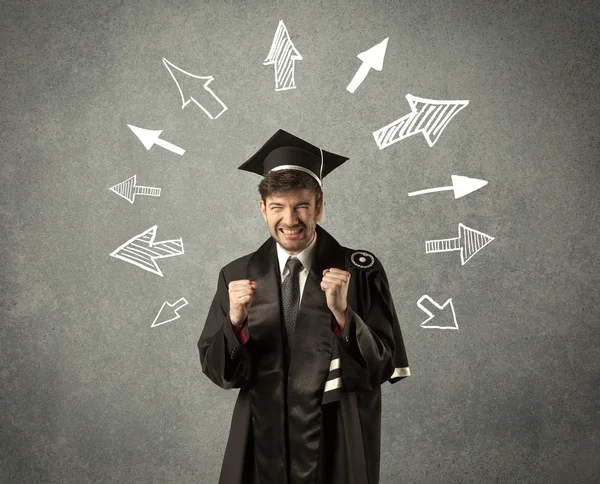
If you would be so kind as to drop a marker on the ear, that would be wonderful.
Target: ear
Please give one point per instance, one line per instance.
(319, 210)
(263, 209)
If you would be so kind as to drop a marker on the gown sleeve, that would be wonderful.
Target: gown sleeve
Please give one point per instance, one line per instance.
(369, 346)
(224, 358)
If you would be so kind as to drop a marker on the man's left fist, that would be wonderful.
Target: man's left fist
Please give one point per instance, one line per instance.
(335, 284)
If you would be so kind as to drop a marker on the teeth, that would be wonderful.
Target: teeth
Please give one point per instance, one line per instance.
(291, 232)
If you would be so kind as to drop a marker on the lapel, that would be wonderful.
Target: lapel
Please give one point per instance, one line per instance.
(314, 338)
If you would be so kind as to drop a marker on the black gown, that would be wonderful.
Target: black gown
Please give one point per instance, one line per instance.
(285, 428)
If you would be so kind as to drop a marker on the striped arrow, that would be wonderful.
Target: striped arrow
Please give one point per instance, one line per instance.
(128, 189)
(142, 251)
(468, 242)
(427, 116)
(284, 55)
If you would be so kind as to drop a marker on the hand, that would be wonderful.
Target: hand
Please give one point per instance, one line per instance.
(240, 299)
(335, 284)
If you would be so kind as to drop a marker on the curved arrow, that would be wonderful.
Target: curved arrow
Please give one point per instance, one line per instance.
(461, 185)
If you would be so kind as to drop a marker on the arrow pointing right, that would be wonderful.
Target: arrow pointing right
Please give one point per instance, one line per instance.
(461, 185)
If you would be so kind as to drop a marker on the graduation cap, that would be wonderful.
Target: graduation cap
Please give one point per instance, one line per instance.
(284, 151)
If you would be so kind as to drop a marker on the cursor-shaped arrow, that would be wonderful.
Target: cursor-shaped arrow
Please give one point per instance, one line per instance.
(128, 189)
(469, 242)
(371, 59)
(169, 312)
(427, 116)
(150, 137)
(212, 106)
(283, 54)
(461, 185)
(442, 310)
(142, 251)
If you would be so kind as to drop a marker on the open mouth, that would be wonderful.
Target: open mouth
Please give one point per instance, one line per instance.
(292, 234)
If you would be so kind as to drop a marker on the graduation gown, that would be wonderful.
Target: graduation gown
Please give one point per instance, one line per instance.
(309, 413)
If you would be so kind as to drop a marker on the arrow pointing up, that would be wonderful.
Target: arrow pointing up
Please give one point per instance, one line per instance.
(212, 106)
(461, 185)
(372, 59)
(150, 137)
(283, 54)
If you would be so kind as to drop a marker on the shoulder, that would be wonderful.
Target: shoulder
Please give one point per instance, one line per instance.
(362, 260)
(237, 268)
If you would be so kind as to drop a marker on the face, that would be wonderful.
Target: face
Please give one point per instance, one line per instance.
(292, 218)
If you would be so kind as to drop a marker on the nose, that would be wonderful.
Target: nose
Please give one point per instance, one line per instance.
(290, 218)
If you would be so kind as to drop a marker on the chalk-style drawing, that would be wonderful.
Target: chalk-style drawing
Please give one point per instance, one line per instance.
(283, 54)
(150, 137)
(128, 189)
(469, 242)
(427, 116)
(142, 251)
(440, 312)
(169, 312)
(461, 185)
(206, 100)
(371, 59)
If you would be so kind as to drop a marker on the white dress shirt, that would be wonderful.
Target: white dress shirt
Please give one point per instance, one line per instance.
(306, 257)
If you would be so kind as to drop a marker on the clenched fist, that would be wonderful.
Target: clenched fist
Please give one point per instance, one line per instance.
(240, 299)
(335, 284)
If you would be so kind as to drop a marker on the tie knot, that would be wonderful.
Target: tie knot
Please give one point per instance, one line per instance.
(294, 265)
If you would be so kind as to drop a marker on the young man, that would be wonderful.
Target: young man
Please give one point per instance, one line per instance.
(307, 330)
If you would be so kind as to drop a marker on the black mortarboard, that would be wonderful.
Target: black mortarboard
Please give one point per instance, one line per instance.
(285, 151)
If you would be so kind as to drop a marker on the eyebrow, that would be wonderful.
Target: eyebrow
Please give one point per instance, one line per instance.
(278, 204)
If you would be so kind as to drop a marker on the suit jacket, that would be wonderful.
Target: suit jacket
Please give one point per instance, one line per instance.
(309, 413)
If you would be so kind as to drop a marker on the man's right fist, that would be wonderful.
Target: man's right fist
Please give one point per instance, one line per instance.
(240, 299)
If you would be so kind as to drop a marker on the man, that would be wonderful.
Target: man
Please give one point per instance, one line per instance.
(307, 330)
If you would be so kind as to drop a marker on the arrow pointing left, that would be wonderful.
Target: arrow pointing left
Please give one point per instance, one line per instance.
(128, 189)
(142, 251)
(150, 137)
(167, 310)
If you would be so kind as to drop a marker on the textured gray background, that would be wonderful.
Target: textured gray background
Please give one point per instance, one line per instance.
(91, 393)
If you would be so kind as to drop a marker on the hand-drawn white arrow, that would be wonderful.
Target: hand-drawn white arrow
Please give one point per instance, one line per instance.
(469, 242)
(169, 309)
(461, 185)
(142, 251)
(150, 137)
(210, 98)
(371, 59)
(128, 189)
(284, 55)
(439, 309)
(428, 116)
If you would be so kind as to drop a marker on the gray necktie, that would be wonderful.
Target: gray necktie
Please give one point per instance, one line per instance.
(290, 296)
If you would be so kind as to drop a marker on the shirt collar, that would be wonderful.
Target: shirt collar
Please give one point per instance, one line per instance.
(306, 256)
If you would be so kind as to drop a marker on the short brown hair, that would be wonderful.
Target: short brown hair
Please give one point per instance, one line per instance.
(281, 182)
